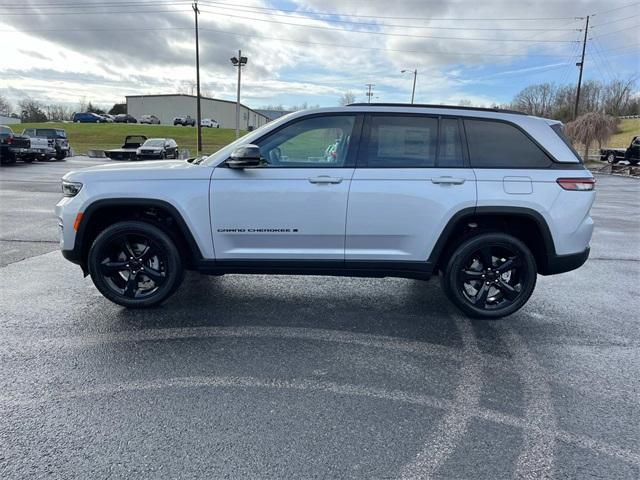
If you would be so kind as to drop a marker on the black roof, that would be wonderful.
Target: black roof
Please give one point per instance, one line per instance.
(424, 105)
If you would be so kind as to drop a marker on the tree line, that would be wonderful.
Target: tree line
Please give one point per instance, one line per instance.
(616, 98)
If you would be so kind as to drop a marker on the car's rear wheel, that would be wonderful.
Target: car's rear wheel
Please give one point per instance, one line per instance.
(489, 276)
(611, 157)
(135, 264)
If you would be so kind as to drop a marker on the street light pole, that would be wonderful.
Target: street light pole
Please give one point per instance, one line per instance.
(199, 144)
(413, 90)
(239, 62)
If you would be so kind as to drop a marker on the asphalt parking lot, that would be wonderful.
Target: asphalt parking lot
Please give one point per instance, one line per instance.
(311, 377)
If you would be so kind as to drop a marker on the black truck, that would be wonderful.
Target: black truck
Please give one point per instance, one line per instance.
(14, 147)
(630, 154)
(128, 149)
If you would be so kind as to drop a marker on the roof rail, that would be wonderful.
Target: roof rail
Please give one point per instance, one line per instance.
(423, 105)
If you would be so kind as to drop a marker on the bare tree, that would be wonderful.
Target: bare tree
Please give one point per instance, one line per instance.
(347, 97)
(82, 104)
(57, 112)
(5, 106)
(536, 99)
(591, 127)
(617, 95)
(465, 103)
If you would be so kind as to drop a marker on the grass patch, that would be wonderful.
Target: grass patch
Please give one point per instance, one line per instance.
(104, 136)
(627, 129)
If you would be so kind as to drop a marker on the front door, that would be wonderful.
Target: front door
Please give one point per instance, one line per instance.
(294, 206)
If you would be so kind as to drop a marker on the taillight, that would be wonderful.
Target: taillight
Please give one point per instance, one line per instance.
(577, 184)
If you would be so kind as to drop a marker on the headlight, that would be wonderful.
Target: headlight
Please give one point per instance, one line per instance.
(71, 189)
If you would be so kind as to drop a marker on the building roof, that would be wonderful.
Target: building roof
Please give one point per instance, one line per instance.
(194, 96)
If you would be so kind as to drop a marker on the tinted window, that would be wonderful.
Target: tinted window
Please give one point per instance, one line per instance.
(313, 142)
(402, 142)
(450, 147)
(500, 145)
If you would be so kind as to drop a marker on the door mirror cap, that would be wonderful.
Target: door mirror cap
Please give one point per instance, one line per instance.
(245, 156)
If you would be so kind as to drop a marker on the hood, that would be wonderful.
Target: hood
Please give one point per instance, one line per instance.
(156, 170)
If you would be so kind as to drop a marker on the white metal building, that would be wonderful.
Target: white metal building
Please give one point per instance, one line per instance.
(166, 107)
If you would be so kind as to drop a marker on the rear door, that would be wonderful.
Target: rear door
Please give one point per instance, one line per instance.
(412, 176)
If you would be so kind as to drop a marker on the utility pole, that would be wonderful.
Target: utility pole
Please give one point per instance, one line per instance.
(197, 12)
(413, 90)
(239, 62)
(581, 65)
(369, 92)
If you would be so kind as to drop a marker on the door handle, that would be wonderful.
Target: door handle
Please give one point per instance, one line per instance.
(322, 179)
(448, 180)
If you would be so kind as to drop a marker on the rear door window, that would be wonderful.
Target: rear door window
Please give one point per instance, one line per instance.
(495, 144)
(397, 141)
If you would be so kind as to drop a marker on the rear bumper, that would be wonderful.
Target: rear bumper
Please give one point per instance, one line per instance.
(564, 263)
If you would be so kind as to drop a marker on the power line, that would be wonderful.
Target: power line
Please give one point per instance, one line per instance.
(311, 12)
(615, 31)
(386, 34)
(615, 9)
(615, 21)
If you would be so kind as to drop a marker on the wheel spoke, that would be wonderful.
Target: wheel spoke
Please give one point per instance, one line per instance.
(157, 276)
(486, 257)
(470, 275)
(507, 290)
(126, 247)
(146, 254)
(132, 286)
(510, 264)
(481, 297)
(111, 268)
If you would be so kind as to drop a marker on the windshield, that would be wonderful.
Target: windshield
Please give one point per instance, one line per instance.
(157, 142)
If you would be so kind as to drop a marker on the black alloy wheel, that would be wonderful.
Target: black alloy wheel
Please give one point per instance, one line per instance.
(490, 275)
(135, 264)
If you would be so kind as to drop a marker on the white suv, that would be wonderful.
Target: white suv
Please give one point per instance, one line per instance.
(486, 198)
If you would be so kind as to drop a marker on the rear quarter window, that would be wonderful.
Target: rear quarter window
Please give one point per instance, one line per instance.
(501, 145)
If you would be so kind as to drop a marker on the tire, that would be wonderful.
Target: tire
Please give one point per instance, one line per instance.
(163, 156)
(478, 280)
(611, 158)
(151, 249)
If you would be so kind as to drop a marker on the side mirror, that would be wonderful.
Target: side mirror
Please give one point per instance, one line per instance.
(245, 156)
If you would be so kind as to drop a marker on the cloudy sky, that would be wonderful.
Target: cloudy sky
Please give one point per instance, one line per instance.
(310, 50)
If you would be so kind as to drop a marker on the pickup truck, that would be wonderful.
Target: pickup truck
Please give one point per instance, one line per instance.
(630, 154)
(128, 149)
(58, 137)
(40, 149)
(13, 147)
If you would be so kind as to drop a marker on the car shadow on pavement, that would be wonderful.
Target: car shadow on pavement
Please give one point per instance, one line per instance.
(407, 309)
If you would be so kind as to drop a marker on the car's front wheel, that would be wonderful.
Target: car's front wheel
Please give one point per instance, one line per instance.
(490, 275)
(135, 264)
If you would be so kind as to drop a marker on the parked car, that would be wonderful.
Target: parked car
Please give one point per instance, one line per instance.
(158, 148)
(209, 123)
(88, 117)
(422, 191)
(185, 121)
(129, 148)
(150, 119)
(107, 118)
(125, 118)
(57, 135)
(630, 154)
(13, 147)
